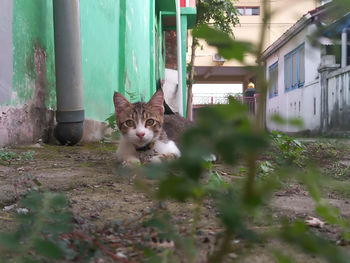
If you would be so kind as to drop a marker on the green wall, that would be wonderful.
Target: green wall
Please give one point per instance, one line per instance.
(32, 25)
(100, 55)
(122, 50)
(117, 36)
(138, 76)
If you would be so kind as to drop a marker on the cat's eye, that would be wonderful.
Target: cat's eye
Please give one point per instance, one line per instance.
(149, 122)
(129, 123)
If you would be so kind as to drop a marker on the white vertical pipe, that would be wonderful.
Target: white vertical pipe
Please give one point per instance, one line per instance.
(344, 47)
(179, 57)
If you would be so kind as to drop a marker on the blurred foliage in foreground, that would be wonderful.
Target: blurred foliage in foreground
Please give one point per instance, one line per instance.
(42, 219)
(228, 132)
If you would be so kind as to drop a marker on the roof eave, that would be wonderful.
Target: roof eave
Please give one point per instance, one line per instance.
(289, 34)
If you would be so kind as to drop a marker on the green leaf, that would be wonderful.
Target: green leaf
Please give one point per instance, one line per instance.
(112, 120)
(216, 182)
(48, 249)
(331, 215)
(281, 258)
(36, 181)
(10, 241)
(298, 235)
(278, 119)
(30, 260)
(177, 187)
(33, 201)
(151, 256)
(58, 201)
(227, 47)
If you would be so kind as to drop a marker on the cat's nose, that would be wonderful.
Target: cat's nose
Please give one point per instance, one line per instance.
(140, 134)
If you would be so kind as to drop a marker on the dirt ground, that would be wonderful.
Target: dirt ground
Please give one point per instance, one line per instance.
(103, 200)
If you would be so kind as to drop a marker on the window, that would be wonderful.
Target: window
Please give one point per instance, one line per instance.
(273, 80)
(248, 10)
(294, 67)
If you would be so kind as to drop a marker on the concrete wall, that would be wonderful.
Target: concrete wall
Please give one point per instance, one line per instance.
(305, 101)
(339, 100)
(139, 71)
(122, 50)
(100, 56)
(27, 78)
(118, 52)
(6, 58)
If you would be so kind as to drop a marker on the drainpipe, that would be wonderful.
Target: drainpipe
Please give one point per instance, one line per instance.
(69, 88)
(344, 47)
(179, 57)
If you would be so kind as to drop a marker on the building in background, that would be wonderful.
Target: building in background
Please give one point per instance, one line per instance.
(310, 79)
(123, 49)
(211, 68)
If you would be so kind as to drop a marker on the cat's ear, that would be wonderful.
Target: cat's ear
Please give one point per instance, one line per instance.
(157, 101)
(120, 102)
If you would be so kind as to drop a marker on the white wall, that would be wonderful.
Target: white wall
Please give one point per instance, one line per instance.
(170, 89)
(339, 99)
(285, 103)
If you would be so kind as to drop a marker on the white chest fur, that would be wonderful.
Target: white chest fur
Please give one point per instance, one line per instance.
(167, 148)
(126, 151)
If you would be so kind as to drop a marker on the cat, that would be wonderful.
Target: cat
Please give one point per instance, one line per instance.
(143, 139)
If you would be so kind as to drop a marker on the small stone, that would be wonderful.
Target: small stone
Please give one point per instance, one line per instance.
(314, 222)
(340, 242)
(22, 211)
(232, 255)
(9, 207)
(121, 255)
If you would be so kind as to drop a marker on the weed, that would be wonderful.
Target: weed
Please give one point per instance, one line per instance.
(37, 236)
(10, 157)
(323, 150)
(112, 123)
(291, 151)
(264, 169)
(339, 171)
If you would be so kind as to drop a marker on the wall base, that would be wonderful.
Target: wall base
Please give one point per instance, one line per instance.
(25, 125)
(95, 131)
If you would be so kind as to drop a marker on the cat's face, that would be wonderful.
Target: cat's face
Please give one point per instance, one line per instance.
(139, 122)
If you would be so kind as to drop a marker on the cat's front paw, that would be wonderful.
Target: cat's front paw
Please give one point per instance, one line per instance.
(163, 157)
(131, 161)
(155, 159)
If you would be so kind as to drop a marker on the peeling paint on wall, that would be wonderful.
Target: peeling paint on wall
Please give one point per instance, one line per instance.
(119, 53)
(32, 23)
(24, 114)
(33, 120)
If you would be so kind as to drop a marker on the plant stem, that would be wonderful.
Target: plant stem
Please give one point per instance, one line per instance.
(251, 165)
(196, 214)
(259, 123)
(225, 248)
(190, 79)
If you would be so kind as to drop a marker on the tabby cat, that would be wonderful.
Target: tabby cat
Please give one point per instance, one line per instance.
(141, 125)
